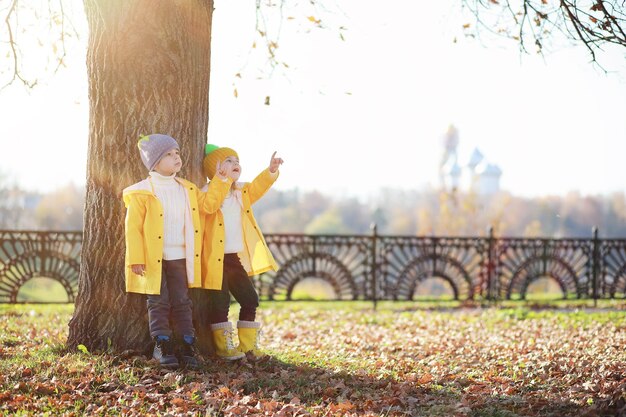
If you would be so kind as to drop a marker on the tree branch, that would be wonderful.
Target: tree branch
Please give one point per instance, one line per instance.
(14, 51)
(573, 20)
(60, 30)
(62, 57)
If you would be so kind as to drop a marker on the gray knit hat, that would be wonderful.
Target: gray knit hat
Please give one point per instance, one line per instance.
(153, 147)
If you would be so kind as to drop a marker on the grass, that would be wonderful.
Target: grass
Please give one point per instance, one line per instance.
(340, 358)
(40, 290)
(440, 305)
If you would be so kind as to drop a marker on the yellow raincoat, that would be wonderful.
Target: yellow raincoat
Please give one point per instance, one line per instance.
(144, 232)
(255, 257)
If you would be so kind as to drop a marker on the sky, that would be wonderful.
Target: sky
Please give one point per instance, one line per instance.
(352, 116)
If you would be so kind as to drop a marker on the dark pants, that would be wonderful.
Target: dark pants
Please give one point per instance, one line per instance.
(173, 305)
(236, 282)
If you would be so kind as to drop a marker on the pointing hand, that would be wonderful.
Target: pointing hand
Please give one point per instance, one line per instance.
(275, 163)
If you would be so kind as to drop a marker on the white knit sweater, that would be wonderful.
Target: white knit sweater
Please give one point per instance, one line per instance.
(173, 197)
(231, 210)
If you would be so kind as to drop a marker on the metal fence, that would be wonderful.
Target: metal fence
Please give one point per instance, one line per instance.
(371, 267)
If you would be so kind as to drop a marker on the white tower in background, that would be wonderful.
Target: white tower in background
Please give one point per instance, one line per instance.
(449, 169)
(470, 177)
(488, 178)
(477, 175)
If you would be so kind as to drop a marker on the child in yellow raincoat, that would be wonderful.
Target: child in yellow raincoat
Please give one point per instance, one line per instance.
(233, 250)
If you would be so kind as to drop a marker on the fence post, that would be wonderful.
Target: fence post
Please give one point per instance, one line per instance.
(490, 265)
(595, 263)
(374, 264)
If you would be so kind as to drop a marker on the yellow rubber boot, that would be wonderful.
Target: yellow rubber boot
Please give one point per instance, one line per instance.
(249, 334)
(223, 339)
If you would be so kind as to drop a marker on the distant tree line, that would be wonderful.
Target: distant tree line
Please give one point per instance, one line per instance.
(395, 212)
(435, 212)
(61, 209)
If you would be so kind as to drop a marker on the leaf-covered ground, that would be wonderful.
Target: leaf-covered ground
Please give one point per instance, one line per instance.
(343, 359)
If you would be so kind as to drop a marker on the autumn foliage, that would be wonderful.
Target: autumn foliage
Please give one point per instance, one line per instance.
(338, 359)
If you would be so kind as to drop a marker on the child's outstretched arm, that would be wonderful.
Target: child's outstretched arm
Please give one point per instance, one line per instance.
(211, 200)
(259, 186)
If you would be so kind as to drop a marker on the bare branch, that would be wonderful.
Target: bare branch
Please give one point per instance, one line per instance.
(58, 19)
(592, 23)
(610, 17)
(521, 28)
(62, 57)
(582, 37)
(262, 28)
(14, 52)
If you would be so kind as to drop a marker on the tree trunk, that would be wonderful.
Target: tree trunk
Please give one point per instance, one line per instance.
(148, 65)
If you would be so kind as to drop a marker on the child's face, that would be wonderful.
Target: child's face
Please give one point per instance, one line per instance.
(170, 163)
(232, 162)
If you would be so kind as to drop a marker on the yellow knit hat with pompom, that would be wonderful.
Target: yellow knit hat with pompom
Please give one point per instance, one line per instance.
(213, 154)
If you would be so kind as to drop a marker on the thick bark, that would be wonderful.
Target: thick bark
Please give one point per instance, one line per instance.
(148, 65)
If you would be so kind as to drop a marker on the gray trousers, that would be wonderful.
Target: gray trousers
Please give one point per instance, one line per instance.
(170, 311)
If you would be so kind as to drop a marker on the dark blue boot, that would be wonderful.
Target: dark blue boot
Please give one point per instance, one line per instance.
(188, 352)
(164, 352)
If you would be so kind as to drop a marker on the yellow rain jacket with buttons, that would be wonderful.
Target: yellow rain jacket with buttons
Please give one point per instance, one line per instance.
(144, 232)
(255, 257)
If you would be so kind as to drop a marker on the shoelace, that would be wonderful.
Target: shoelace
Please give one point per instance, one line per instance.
(166, 347)
(257, 338)
(228, 334)
(188, 350)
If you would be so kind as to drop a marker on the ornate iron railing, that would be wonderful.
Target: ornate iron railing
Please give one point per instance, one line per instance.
(371, 267)
(26, 254)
